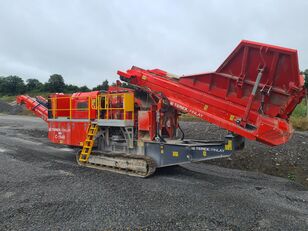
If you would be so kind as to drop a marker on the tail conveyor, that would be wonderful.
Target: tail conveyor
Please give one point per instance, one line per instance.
(37, 106)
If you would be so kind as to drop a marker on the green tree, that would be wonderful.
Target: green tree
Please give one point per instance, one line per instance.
(104, 86)
(56, 83)
(2, 86)
(84, 89)
(33, 85)
(306, 78)
(71, 88)
(12, 85)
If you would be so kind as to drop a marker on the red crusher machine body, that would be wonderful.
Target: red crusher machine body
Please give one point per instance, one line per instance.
(135, 130)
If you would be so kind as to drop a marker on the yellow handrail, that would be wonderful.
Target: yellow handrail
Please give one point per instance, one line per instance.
(96, 103)
(89, 105)
(70, 107)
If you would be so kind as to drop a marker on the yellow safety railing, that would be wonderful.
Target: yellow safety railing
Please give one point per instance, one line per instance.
(101, 103)
(105, 100)
(55, 100)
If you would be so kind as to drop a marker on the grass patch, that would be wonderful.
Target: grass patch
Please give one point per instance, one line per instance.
(299, 119)
(300, 110)
(300, 123)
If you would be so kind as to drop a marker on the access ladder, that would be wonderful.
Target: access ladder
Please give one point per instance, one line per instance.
(88, 143)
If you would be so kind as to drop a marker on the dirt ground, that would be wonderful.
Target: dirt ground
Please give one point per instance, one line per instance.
(42, 188)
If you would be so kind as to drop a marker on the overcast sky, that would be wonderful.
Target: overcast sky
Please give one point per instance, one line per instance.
(88, 41)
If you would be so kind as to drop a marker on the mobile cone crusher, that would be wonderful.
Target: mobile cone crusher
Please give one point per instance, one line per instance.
(136, 130)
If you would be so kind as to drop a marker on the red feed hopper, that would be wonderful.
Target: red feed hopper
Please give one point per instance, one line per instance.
(251, 94)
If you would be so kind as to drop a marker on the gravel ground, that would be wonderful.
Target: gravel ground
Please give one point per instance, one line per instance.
(289, 160)
(42, 188)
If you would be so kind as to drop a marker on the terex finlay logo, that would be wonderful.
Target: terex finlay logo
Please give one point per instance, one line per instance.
(185, 109)
(59, 130)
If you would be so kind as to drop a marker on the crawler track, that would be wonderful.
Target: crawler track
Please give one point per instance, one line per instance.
(132, 165)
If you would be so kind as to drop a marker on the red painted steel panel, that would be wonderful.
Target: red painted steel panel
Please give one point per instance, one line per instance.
(59, 132)
(226, 97)
(68, 133)
(146, 123)
(84, 105)
(79, 133)
(60, 103)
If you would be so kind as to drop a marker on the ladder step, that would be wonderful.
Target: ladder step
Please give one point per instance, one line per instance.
(89, 142)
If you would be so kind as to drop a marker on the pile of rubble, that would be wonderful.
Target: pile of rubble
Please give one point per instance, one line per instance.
(10, 108)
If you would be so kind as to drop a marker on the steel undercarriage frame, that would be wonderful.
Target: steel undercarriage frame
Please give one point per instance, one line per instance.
(171, 152)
